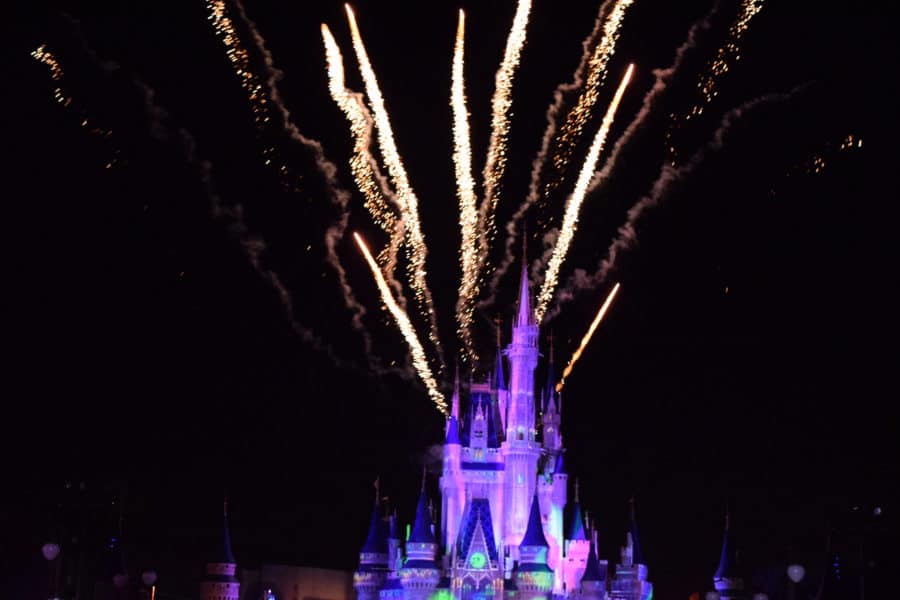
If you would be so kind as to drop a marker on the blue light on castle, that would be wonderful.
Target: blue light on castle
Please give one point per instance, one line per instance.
(504, 490)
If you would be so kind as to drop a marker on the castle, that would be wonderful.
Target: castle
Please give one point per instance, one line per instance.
(504, 491)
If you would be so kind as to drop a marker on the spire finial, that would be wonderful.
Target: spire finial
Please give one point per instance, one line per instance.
(576, 490)
(424, 473)
(377, 485)
(225, 506)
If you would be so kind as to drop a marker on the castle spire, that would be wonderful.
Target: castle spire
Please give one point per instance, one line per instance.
(636, 553)
(525, 315)
(454, 408)
(422, 532)
(727, 576)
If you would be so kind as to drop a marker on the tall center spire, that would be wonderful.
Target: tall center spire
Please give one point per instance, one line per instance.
(525, 316)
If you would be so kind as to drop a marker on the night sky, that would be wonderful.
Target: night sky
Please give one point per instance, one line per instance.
(750, 358)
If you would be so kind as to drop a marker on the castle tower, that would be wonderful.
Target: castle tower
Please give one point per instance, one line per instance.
(220, 582)
(453, 490)
(373, 558)
(727, 579)
(500, 387)
(631, 581)
(593, 581)
(520, 448)
(421, 571)
(533, 576)
(577, 547)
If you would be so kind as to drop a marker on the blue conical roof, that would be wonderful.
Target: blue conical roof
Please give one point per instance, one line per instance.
(421, 530)
(560, 466)
(592, 571)
(499, 375)
(576, 529)
(376, 540)
(225, 554)
(452, 430)
(728, 567)
(636, 553)
(534, 535)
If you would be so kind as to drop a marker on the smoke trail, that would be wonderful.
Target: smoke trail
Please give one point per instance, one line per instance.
(573, 206)
(668, 178)
(417, 251)
(420, 361)
(500, 105)
(264, 97)
(587, 337)
(662, 79)
(468, 208)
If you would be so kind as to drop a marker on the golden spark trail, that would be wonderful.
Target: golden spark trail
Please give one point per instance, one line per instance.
(727, 54)
(465, 186)
(500, 105)
(44, 56)
(587, 337)
(571, 130)
(420, 362)
(416, 249)
(360, 128)
(573, 206)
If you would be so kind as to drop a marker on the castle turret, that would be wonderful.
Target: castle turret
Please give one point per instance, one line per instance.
(520, 448)
(631, 581)
(220, 582)
(373, 558)
(421, 571)
(593, 581)
(577, 546)
(727, 579)
(500, 386)
(453, 491)
(534, 577)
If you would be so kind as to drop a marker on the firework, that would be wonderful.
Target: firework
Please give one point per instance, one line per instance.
(573, 206)
(416, 249)
(420, 362)
(570, 132)
(726, 55)
(500, 105)
(587, 336)
(468, 209)
(361, 129)
(43, 55)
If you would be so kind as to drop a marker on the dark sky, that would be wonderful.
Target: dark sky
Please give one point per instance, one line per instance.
(750, 356)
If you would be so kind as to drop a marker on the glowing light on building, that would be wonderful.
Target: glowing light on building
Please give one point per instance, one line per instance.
(587, 337)
(420, 361)
(573, 206)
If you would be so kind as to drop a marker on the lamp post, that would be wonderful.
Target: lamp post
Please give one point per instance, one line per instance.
(795, 575)
(148, 578)
(51, 551)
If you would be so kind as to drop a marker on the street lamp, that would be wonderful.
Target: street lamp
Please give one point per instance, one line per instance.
(795, 574)
(148, 577)
(51, 551)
